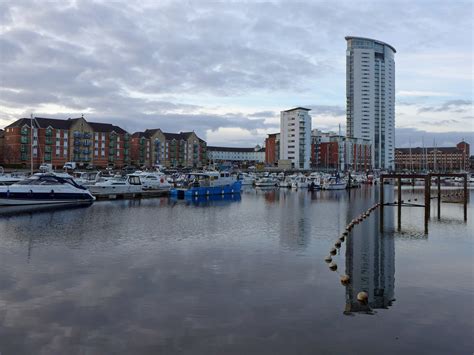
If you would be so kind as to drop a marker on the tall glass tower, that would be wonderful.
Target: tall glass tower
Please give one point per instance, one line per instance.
(370, 97)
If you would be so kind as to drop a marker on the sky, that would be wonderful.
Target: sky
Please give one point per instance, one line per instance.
(227, 69)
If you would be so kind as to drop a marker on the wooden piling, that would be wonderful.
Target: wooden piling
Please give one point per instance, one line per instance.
(465, 197)
(399, 203)
(427, 201)
(439, 197)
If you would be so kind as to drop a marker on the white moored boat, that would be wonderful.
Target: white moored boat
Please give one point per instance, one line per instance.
(44, 189)
(299, 182)
(153, 180)
(266, 182)
(118, 185)
(334, 183)
(247, 179)
(8, 179)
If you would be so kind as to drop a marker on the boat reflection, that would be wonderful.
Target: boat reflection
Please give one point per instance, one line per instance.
(211, 200)
(9, 211)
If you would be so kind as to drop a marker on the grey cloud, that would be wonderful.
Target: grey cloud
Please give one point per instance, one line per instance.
(449, 106)
(266, 114)
(329, 110)
(88, 55)
(440, 122)
(405, 137)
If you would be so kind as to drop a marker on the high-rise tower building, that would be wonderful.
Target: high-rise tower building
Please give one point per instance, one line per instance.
(370, 94)
(295, 137)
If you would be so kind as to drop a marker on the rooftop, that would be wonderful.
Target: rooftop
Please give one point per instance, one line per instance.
(373, 40)
(298, 108)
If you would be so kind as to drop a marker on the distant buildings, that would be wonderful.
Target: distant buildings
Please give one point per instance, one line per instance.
(442, 159)
(56, 141)
(370, 95)
(330, 151)
(272, 149)
(155, 147)
(295, 137)
(232, 154)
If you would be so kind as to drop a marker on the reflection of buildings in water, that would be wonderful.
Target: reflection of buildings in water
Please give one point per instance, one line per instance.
(370, 264)
(295, 220)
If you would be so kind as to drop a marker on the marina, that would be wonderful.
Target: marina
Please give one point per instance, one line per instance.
(246, 271)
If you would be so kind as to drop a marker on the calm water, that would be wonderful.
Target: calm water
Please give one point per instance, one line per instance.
(245, 276)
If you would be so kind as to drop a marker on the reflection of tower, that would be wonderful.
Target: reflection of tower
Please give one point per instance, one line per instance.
(370, 264)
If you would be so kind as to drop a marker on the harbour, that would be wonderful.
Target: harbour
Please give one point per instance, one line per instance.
(237, 274)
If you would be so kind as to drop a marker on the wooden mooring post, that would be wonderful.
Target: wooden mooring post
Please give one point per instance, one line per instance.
(427, 203)
(399, 219)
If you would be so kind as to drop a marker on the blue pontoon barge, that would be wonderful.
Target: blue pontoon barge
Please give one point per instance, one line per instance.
(206, 184)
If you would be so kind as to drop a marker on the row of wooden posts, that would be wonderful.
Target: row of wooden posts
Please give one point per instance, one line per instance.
(427, 187)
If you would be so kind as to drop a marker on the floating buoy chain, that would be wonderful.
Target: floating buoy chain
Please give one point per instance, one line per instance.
(345, 279)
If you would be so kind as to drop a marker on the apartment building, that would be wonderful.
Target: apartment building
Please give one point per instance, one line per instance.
(155, 147)
(442, 159)
(295, 137)
(41, 140)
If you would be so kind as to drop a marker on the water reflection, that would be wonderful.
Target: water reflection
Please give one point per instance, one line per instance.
(212, 200)
(28, 209)
(370, 264)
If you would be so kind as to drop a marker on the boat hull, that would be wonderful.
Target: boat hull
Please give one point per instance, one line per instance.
(24, 199)
(235, 188)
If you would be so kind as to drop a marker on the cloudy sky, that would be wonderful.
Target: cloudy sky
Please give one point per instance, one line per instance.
(226, 70)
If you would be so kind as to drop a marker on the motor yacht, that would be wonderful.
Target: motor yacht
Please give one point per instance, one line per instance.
(130, 183)
(153, 180)
(266, 182)
(42, 189)
(299, 182)
(334, 183)
(246, 179)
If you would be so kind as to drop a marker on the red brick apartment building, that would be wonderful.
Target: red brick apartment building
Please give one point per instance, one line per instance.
(272, 149)
(153, 146)
(56, 141)
(442, 159)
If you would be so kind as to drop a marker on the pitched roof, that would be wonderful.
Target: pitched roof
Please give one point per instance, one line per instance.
(427, 150)
(150, 132)
(43, 122)
(230, 149)
(171, 136)
(297, 108)
(106, 127)
(140, 135)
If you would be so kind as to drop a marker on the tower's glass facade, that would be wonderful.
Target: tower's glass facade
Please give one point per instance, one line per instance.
(370, 97)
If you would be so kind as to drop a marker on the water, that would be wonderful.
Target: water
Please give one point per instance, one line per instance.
(241, 276)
